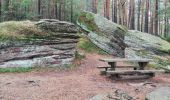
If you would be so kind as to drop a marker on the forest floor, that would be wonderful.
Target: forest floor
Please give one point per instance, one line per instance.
(82, 83)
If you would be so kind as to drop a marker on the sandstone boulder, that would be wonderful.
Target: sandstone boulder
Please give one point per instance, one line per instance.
(106, 35)
(47, 43)
(144, 45)
(119, 42)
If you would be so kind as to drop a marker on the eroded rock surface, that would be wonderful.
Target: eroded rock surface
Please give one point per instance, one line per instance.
(52, 45)
(162, 93)
(103, 33)
(144, 45)
(119, 42)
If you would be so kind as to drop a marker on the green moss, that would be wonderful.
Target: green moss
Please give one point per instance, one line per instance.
(165, 51)
(19, 30)
(164, 63)
(153, 66)
(142, 52)
(168, 39)
(87, 19)
(89, 47)
(162, 45)
(91, 23)
(15, 70)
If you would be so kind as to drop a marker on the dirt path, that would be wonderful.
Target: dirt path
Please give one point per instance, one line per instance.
(80, 84)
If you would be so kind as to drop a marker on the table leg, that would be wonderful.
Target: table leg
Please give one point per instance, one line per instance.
(113, 65)
(142, 65)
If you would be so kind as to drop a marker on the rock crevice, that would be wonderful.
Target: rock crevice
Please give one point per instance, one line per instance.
(56, 47)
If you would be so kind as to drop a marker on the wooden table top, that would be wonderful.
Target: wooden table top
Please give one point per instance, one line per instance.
(124, 60)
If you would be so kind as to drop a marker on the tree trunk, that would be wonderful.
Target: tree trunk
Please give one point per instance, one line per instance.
(156, 17)
(139, 14)
(0, 11)
(132, 14)
(108, 9)
(115, 11)
(142, 15)
(71, 10)
(146, 17)
(39, 7)
(95, 5)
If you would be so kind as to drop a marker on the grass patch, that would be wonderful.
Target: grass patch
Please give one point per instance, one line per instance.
(86, 45)
(16, 70)
(37, 69)
(18, 30)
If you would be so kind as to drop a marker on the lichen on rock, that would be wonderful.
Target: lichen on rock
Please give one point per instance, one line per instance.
(116, 39)
(144, 45)
(106, 35)
(45, 43)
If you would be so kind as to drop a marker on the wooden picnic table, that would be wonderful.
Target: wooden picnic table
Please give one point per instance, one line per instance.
(112, 62)
(136, 71)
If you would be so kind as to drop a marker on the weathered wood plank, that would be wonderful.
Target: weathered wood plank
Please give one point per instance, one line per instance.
(127, 72)
(123, 66)
(124, 60)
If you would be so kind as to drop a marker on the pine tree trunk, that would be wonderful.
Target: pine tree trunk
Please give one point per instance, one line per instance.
(132, 14)
(115, 11)
(142, 15)
(139, 14)
(112, 10)
(56, 9)
(146, 17)
(156, 17)
(95, 5)
(0, 11)
(39, 8)
(108, 9)
(71, 10)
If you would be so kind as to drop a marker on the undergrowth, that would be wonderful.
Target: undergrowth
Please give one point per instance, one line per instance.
(86, 45)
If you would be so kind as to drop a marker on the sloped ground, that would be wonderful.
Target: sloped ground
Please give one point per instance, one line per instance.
(80, 84)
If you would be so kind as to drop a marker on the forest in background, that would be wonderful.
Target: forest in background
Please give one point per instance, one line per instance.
(150, 16)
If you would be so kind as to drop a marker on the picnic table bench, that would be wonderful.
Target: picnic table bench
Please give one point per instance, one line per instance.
(137, 70)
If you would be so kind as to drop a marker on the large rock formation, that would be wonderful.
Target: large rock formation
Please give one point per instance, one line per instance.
(144, 45)
(37, 44)
(114, 38)
(103, 33)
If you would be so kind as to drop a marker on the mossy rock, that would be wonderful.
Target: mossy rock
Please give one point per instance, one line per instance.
(19, 30)
(103, 33)
(144, 45)
(48, 42)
